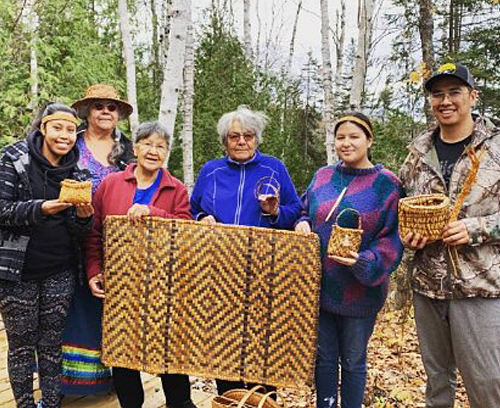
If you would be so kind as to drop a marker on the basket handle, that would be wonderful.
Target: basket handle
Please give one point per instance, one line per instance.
(346, 210)
(267, 396)
(242, 402)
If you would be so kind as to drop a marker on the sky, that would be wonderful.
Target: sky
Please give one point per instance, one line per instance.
(280, 25)
(308, 37)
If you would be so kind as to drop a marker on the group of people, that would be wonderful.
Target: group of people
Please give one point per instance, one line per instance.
(51, 252)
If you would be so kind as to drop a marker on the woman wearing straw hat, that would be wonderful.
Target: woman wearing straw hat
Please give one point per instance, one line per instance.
(103, 150)
(354, 285)
(41, 242)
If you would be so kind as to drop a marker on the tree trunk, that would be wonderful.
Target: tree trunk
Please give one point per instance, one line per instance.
(31, 19)
(365, 27)
(172, 75)
(426, 30)
(294, 33)
(327, 82)
(128, 52)
(155, 45)
(166, 22)
(339, 48)
(187, 127)
(259, 30)
(247, 38)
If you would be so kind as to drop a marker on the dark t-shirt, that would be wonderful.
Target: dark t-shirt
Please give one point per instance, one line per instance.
(448, 154)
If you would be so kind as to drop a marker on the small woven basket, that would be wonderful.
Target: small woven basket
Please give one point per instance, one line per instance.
(344, 240)
(76, 192)
(241, 398)
(426, 215)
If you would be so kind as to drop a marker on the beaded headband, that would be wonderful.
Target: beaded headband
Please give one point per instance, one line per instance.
(59, 115)
(357, 120)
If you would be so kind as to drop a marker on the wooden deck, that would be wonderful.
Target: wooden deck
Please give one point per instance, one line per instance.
(152, 389)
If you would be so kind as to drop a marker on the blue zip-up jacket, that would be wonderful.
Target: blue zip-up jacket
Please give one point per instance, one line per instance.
(226, 189)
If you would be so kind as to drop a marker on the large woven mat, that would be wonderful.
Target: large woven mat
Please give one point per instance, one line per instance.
(223, 301)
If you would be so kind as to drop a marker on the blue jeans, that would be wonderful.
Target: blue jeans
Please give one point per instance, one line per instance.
(343, 340)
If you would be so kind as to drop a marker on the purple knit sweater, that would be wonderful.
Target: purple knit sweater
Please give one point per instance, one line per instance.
(359, 290)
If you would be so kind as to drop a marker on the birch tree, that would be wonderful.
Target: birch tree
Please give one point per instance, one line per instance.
(294, 33)
(365, 27)
(172, 74)
(339, 50)
(166, 19)
(128, 53)
(247, 38)
(259, 29)
(426, 30)
(31, 20)
(327, 82)
(187, 123)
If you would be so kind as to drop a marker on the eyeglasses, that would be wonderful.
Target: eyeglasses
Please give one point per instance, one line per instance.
(235, 137)
(453, 95)
(111, 107)
(160, 149)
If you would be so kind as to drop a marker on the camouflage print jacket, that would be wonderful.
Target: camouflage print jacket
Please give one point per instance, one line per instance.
(477, 272)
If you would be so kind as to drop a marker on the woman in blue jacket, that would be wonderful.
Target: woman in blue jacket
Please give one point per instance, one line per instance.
(245, 187)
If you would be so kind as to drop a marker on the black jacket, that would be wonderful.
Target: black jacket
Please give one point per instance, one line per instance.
(19, 212)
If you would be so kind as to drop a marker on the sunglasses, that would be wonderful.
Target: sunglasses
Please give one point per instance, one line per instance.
(111, 107)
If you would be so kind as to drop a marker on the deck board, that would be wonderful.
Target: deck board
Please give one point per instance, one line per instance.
(154, 397)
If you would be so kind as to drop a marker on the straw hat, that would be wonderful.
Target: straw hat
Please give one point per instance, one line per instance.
(101, 92)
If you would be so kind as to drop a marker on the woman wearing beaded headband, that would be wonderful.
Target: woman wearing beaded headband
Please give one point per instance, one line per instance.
(103, 150)
(40, 251)
(353, 287)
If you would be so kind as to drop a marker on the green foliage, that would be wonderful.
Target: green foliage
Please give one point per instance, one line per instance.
(392, 136)
(483, 58)
(76, 46)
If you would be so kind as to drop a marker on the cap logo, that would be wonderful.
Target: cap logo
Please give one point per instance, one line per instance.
(448, 68)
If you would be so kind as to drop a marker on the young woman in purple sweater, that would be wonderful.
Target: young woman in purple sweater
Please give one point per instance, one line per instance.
(353, 288)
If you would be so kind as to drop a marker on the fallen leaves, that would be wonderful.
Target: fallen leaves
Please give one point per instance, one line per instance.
(396, 376)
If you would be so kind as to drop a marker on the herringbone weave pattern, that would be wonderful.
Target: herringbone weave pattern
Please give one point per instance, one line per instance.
(221, 301)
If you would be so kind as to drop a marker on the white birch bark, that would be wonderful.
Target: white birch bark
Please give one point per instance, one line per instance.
(172, 74)
(128, 53)
(247, 38)
(31, 20)
(339, 50)
(166, 19)
(327, 82)
(259, 30)
(365, 27)
(292, 41)
(187, 127)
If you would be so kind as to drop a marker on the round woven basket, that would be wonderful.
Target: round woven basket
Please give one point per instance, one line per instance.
(344, 240)
(426, 215)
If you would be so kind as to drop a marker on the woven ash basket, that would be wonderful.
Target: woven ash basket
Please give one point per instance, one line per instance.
(241, 398)
(344, 240)
(426, 215)
(76, 192)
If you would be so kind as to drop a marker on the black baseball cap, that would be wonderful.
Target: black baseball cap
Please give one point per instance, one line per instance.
(451, 69)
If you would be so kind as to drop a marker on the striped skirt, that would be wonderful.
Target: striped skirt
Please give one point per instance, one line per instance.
(83, 373)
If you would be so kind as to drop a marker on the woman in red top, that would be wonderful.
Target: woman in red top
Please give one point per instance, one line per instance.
(143, 188)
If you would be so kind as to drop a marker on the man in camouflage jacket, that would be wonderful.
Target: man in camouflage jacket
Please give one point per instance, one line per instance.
(456, 281)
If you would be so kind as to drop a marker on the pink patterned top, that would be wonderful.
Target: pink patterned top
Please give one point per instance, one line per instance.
(97, 169)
